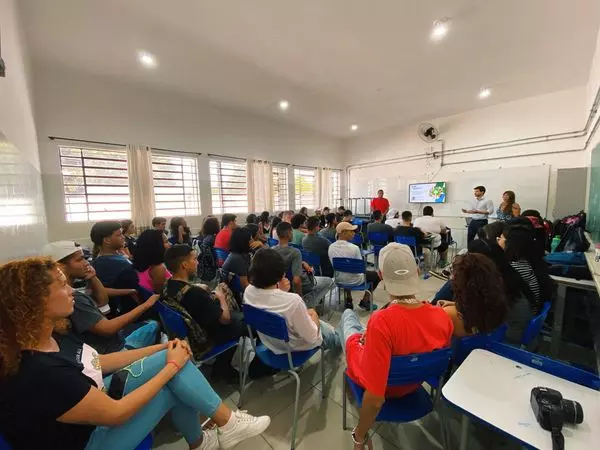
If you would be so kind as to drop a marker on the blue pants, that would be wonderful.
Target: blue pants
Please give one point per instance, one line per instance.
(331, 340)
(185, 396)
(349, 325)
(143, 336)
(445, 293)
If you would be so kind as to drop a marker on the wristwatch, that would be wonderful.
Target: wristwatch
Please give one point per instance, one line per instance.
(356, 441)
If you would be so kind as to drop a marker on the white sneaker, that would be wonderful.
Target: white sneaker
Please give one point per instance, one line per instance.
(210, 440)
(241, 426)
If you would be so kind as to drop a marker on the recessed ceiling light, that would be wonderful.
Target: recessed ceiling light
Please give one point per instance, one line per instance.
(485, 93)
(147, 59)
(440, 29)
(284, 105)
(354, 127)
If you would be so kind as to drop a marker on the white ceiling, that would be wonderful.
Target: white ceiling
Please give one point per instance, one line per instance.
(338, 62)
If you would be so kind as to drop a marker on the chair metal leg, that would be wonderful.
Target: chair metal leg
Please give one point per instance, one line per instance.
(464, 432)
(242, 369)
(296, 402)
(322, 373)
(344, 405)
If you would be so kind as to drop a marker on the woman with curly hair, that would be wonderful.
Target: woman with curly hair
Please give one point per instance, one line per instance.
(149, 259)
(58, 393)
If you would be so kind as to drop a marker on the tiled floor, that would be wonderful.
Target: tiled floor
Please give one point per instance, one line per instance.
(320, 419)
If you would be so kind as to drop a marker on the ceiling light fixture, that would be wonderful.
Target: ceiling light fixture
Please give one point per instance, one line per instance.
(284, 105)
(147, 59)
(354, 127)
(440, 28)
(485, 93)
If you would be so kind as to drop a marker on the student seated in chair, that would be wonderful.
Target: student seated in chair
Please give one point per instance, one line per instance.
(430, 224)
(343, 248)
(269, 291)
(57, 392)
(298, 229)
(149, 261)
(377, 226)
(228, 224)
(238, 261)
(329, 232)
(405, 228)
(315, 243)
(409, 325)
(308, 286)
(104, 335)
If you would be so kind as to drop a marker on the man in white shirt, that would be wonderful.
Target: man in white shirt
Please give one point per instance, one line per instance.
(393, 219)
(268, 290)
(343, 248)
(434, 226)
(480, 210)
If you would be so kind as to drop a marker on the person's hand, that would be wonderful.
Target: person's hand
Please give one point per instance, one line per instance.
(179, 352)
(313, 314)
(445, 303)
(464, 211)
(90, 272)
(306, 267)
(284, 284)
(367, 445)
(256, 244)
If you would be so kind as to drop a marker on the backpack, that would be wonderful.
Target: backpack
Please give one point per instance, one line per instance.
(207, 266)
(197, 337)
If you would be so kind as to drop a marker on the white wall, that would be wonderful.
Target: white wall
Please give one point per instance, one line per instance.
(77, 105)
(22, 229)
(558, 112)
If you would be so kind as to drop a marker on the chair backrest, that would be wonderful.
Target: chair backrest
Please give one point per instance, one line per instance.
(145, 294)
(330, 239)
(378, 238)
(418, 367)
(299, 247)
(172, 321)
(357, 239)
(551, 366)
(272, 242)
(461, 347)
(411, 241)
(220, 256)
(349, 265)
(311, 258)
(534, 327)
(268, 323)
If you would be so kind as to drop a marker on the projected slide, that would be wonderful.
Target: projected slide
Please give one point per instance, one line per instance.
(434, 192)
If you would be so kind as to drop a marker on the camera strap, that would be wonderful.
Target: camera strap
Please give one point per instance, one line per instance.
(558, 440)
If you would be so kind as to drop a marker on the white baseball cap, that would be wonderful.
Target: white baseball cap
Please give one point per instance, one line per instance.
(60, 249)
(399, 270)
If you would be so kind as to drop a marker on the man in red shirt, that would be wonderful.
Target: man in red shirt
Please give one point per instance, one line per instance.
(228, 224)
(404, 326)
(380, 203)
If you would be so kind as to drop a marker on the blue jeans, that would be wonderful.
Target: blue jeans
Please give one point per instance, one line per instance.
(331, 340)
(349, 325)
(185, 396)
(143, 336)
(445, 293)
(317, 293)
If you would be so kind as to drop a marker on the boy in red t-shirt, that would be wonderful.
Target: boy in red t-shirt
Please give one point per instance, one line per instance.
(228, 224)
(406, 325)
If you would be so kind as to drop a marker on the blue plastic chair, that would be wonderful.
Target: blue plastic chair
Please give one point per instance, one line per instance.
(233, 281)
(534, 327)
(411, 241)
(352, 265)
(146, 444)
(299, 247)
(274, 326)
(312, 259)
(175, 325)
(404, 370)
(378, 240)
(462, 347)
(220, 256)
(551, 366)
(272, 242)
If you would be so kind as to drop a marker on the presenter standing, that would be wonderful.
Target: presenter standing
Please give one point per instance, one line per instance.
(481, 208)
(380, 203)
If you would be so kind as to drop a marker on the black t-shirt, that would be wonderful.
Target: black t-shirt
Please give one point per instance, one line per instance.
(117, 272)
(46, 386)
(402, 230)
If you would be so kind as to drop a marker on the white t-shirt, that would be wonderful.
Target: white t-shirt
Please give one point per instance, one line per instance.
(431, 224)
(394, 222)
(482, 204)
(345, 249)
(303, 332)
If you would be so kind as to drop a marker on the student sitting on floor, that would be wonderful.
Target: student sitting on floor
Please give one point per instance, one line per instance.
(149, 261)
(104, 335)
(57, 392)
(113, 268)
(269, 290)
(311, 288)
(343, 248)
(315, 243)
(408, 325)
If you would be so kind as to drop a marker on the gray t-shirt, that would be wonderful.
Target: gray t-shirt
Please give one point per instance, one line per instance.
(237, 263)
(319, 246)
(85, 315)
(292, 260)
(376, 227)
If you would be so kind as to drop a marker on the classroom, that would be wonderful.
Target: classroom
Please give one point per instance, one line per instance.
(272, 225)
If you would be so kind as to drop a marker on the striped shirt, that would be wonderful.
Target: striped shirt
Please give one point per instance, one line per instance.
(527, 274)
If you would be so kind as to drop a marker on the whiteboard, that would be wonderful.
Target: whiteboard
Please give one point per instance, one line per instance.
(530, 185)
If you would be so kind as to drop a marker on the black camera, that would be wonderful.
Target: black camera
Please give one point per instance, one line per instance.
(552, 411)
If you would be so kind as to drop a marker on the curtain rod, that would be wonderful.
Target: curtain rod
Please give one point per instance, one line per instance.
(114, 144)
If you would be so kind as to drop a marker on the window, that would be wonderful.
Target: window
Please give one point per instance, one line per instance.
(176, 190)
(305, 184)
(335, 198)
(228, 186)
(281, 201)
(96, 184)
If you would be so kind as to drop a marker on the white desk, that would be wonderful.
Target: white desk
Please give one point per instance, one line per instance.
(497, 391)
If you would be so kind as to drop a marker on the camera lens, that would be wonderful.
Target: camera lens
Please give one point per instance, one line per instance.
(572, 411)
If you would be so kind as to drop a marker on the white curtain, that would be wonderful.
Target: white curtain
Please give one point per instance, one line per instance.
(262, 180)
(324, 188)
(141, 189)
